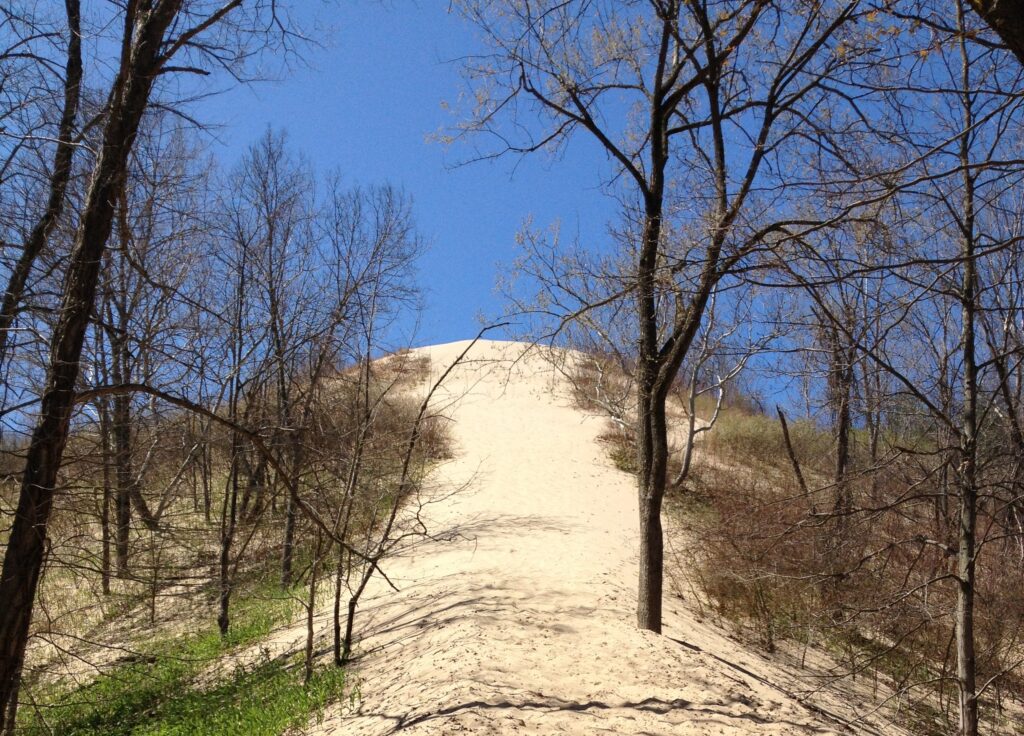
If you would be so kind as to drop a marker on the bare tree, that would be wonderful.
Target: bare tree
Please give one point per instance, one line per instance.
(694, 107)
(153, 35)
(60, 175)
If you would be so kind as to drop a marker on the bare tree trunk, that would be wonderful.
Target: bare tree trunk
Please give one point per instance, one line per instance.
(26, 546)
(793, 460)
(229, 513)
(311, 607)
(123, 476)
(103, 409)
(205, 473)
(229, 508)
(966, 660)
(287, 553)
(844, 390)
(107, 497)
(652, 449)
(339, 580)
(62, 160)
(691, 429)
(652, 489)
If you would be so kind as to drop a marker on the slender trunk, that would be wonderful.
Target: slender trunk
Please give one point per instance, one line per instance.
(353, 604)
(652, 445)
(841, 381)
(123, 477)
(339, 579)
(206, 472)
(243, 509)
(118, 304)
(59, 178)
(652, 448)
(229, 512)
(843, 426)
(653, 452)
(103, 409)
(650, 488)
(346, 650)
(311, 609)
(968, 501)
(229, 507)
(966, 661)
(966, 664)
(107, 498)
(794, 461)
(287, 553)
(691, 431)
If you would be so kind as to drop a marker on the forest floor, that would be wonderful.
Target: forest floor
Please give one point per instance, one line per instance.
(517, 615)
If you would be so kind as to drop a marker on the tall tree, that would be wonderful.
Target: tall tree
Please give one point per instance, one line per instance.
(152, 34)
(695, 106)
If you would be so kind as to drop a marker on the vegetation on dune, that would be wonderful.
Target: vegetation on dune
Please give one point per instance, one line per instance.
(174, 686)
(769, 552)
(818, 197)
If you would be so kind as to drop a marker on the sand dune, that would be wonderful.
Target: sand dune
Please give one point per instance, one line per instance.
(519, 618)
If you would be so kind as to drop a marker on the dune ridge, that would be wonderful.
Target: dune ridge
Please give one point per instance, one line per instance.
(517, 617)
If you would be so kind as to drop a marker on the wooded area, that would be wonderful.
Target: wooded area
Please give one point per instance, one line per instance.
(820, 197)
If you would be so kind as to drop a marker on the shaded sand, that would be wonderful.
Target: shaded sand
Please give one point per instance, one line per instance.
(520, 620)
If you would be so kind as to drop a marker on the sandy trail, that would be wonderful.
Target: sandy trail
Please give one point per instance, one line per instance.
(524, 623)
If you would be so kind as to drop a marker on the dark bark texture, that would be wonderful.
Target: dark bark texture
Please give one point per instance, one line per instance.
(1006, 18)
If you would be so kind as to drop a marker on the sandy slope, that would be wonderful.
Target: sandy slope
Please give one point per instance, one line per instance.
(523, 622)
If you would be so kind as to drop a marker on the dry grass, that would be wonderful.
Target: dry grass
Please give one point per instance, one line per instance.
(775, 565)
(781, 567)
(79, 632)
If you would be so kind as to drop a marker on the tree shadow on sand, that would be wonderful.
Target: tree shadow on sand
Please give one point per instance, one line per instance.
(709, 713)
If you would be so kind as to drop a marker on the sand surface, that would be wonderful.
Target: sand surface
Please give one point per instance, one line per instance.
(519, 618)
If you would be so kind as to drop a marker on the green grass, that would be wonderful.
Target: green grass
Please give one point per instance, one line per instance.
(264, 701)
(158, 693)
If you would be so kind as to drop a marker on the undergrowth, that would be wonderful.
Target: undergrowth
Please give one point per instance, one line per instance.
(161, 690)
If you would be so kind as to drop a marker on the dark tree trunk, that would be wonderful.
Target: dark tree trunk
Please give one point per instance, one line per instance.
(123, 478)
(966, 659)
(841, 377)
(206, 472)
(339, 579)
(652, 444)
(287, 553)
(843, 427)
(62, 160)
(314, 578)
(652, 479)
(227, 537)
(105, 530)
(23, 560)
(1005, 17)
(106, 502)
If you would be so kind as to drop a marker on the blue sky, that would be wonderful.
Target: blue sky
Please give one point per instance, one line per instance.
(366, 105)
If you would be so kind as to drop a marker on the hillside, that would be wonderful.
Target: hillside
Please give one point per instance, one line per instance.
(516, 616)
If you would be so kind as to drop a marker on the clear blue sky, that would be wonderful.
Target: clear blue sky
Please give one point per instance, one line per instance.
(366, 106)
